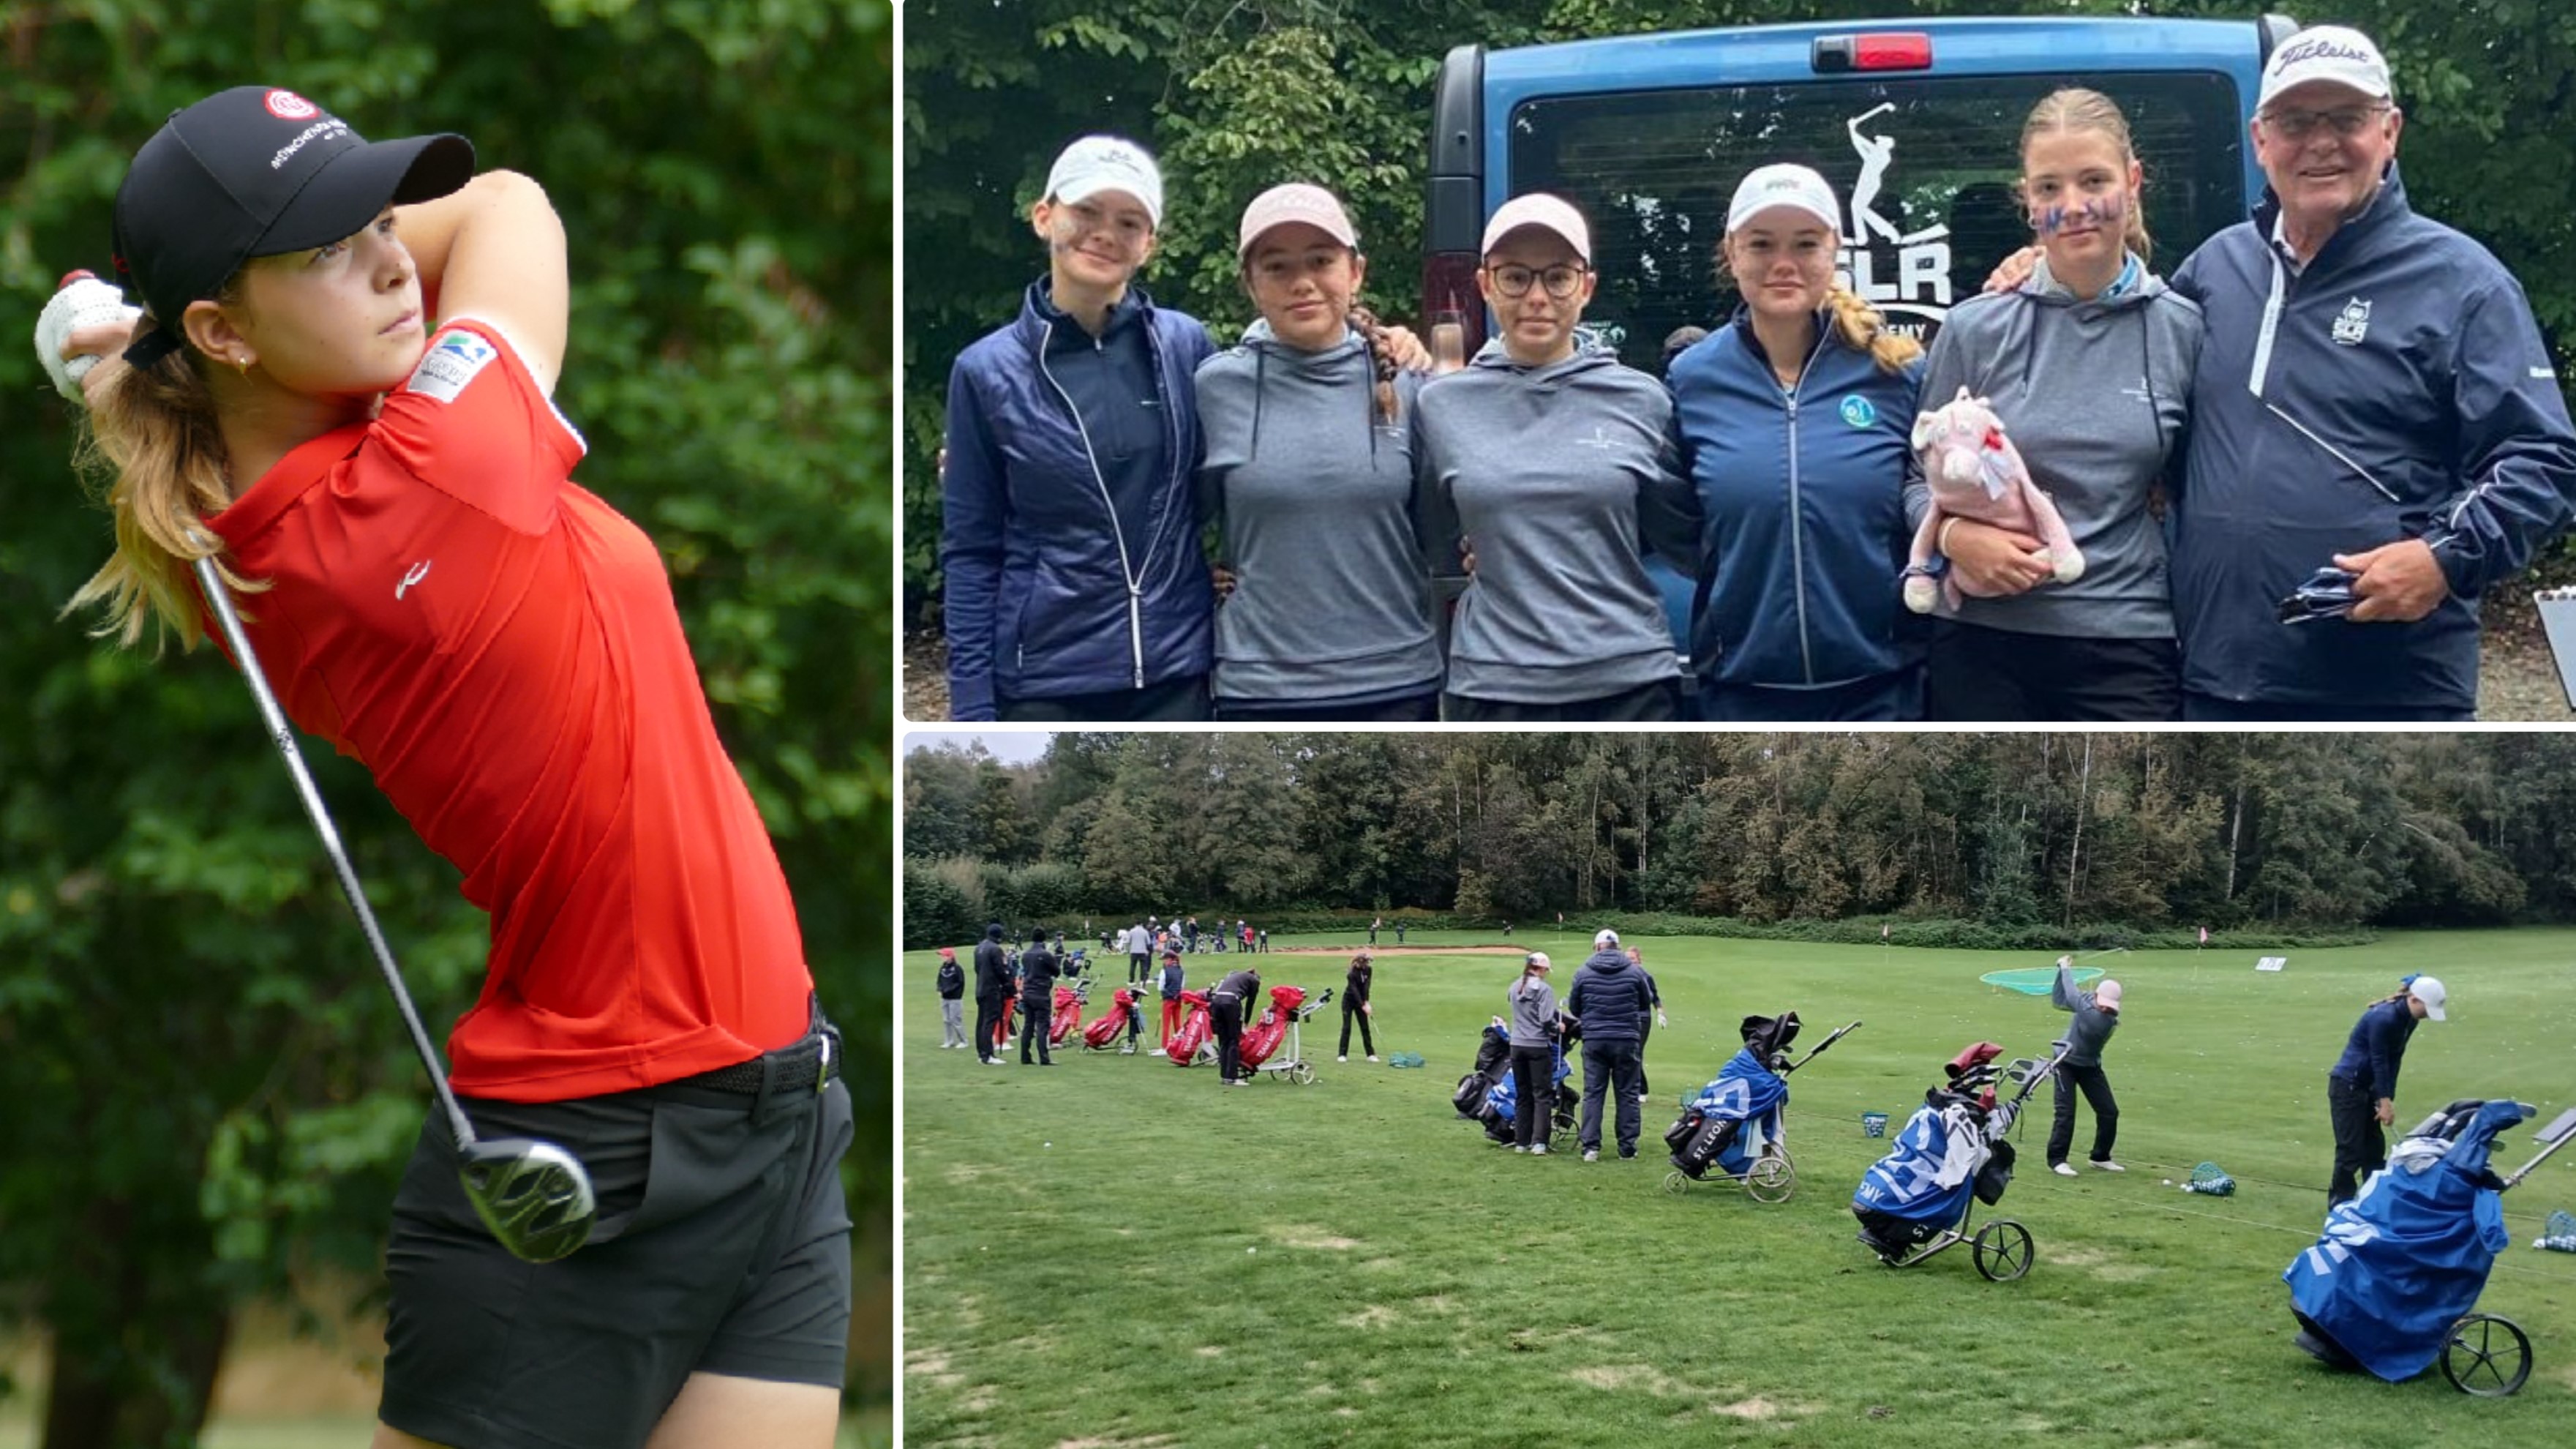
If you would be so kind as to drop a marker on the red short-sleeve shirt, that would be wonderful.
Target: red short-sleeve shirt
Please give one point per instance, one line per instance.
(501, 650)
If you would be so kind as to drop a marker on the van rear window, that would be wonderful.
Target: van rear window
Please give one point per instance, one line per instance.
(1924, 166)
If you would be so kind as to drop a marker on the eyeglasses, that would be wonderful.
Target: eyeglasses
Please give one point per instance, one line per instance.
(2347, 121)
(1559, 280)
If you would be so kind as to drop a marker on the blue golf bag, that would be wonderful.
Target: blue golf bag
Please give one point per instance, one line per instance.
(1501, 1115)
(2401, 1262)
(1736, 1118)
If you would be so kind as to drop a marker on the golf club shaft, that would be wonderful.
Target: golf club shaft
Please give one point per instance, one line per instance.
(280, 733)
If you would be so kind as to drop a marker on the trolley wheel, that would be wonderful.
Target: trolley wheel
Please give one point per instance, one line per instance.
(1772, 1179)
(1676, 1182)
(1560, 1139)
(2003, 1250)
(1302, 1074)
(2486, 1356)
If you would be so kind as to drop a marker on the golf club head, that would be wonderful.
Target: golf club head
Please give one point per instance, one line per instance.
(534, 1196)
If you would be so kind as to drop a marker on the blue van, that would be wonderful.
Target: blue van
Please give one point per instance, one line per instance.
(1916, 123)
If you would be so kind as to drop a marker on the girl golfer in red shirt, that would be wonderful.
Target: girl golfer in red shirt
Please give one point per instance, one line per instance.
(341, 392)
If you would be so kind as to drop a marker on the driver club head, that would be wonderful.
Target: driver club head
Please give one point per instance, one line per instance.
(534, 1196)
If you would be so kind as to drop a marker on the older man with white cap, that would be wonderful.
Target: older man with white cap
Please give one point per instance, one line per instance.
(1073, 433)
(2096, 1016)
(1554, 458)
(1609, 998)
(2361, 1089)
(2373, 400)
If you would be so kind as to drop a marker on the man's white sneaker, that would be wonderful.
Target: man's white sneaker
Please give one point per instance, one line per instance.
(1539, 1151)
(1156, 1052)
(1372, 1056)
(2108, 1166)
(1592, 1155)
(2063, 1170)
(1341, 1059)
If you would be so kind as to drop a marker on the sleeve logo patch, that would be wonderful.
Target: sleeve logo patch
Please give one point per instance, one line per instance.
(451, 363)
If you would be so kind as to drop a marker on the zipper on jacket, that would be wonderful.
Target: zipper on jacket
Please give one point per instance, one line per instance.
(1797, 521)
(1117, 530)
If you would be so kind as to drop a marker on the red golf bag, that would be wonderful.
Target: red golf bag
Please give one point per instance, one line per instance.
(1123, 1015)
(1067, 1013)
(1264, 1036)
(1192, 1039)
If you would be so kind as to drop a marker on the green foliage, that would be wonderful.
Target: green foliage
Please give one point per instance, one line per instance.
(208, 1087)
(2021, 840)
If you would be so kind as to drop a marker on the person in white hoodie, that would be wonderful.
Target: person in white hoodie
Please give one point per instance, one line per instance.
(1557, 464)
(2089, 364)
(1309, 473)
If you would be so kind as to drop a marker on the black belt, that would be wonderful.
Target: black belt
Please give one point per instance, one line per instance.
(816, 1059)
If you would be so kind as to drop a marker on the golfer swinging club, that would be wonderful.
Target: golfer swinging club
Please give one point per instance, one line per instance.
(340, 393)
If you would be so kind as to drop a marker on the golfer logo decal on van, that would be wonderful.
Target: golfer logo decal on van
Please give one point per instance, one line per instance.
(1858, 411)
(1915, 280)
(2354, 324)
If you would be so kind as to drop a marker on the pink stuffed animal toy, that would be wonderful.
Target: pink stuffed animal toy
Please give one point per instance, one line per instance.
(1975, 472)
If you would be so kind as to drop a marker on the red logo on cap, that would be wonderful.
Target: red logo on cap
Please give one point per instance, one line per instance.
(288, 106)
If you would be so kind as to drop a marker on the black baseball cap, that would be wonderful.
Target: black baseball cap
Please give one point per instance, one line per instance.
(253, 172)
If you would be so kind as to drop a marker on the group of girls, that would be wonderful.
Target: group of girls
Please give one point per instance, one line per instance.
(1349, 490)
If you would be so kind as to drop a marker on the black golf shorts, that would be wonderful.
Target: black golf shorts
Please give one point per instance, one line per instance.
(722, 1246)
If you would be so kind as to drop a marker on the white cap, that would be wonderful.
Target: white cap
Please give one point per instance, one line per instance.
(1537, 958)
(2428, 990)
(1296, 201)
(2326, 53)
(1606, 938)
(1549, 213)
(1096, 164)
(1784, 185)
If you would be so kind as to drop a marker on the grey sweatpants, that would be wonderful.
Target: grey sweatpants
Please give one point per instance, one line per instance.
(952, 1022)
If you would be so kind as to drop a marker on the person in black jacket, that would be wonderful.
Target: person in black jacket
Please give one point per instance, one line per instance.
(952, 1004)
(2361, 1089)
(1609, 999)
(1355, 1006)
(1037, 998)
(1647, 1023)
(992, 989)
(1225, 1017)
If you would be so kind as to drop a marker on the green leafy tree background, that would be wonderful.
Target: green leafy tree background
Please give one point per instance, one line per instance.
(1236, 97)
(208, 1094)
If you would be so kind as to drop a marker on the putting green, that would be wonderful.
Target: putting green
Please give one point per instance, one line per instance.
(2039, 981)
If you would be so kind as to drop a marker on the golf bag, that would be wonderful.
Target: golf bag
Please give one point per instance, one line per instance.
(1493, 1059)
(1500, 1113)
(1067, 1013)
(1735, 1118)
(1123, 1012)
(1952, 1148)
(1192, 1042)
(2398, 1264)
(1264, 1036)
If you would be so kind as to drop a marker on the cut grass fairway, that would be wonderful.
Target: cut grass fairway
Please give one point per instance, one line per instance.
(1116, 1252)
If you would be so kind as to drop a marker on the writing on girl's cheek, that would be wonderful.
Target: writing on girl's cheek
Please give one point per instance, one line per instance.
(2101, 211)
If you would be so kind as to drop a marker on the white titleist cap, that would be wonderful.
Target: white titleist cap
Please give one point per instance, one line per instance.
(1548, 213)
(2326, 53)
(1784, 185)
(2428, 990)
(1096, 164)
(1606, 938)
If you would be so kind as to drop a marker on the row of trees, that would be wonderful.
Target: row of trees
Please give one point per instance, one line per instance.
(1237, 97)
(2004, 829)
(208, 1093)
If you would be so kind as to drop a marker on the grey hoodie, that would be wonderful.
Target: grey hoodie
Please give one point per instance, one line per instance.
(1562, 476)
(2091, 1030)
(1332, 600)
(2093, 395)
(1533, 1004)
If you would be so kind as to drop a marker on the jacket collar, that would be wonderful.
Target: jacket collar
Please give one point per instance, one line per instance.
(1039, 313)
(2383, 213)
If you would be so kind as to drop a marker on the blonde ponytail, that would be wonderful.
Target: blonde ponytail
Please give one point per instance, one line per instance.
(156, 448)
(1863, 330)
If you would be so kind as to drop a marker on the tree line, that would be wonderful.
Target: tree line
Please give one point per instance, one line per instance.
(1234, 98)
(2061, 831)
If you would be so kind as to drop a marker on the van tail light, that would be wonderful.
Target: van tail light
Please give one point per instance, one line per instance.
(1890, 50)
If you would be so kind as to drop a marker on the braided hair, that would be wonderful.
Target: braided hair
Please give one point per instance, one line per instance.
(1381, 359)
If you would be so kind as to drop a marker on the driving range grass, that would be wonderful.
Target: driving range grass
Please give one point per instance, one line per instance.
(1117, 1252)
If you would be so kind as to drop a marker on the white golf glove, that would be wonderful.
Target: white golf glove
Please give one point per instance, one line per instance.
(84, 301)
(1659, 1017)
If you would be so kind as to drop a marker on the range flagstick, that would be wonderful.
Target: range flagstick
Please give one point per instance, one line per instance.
(534, 1196)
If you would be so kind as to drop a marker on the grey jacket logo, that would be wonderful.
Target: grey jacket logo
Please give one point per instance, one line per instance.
(2354, 324)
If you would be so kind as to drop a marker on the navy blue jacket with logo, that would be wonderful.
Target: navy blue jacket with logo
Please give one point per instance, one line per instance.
(2394, 388)
(1052, 587)
(1802, 495)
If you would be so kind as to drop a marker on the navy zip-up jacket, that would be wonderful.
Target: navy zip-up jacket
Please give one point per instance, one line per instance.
(1609, 997)
(2396, 387)
(1065, 571)
(1802, 495)
(2376, 1048)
